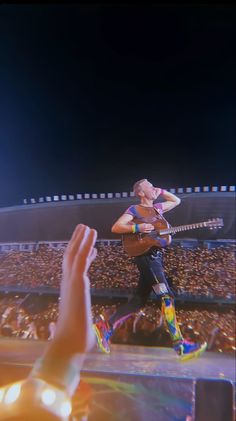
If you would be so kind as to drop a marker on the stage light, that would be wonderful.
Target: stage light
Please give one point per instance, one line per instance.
(117, 195)
(180, 190)
(79, 196)
(86, 196)
(32, 200)
(41, 199)
(63, 197)
(94, 196)
(231, 188)
(71, 197)
(65, 408)
(56, 198)
(102, 195)
(12, 393)
(124, 194)
(214, 188)
(1, 394)
(189, 189)
(172, 191)
(131, 194)
(206, 188)
(48, 397)
(110, 195)
(197, 189)
(223, 188)
(48, 199)
(25, 201)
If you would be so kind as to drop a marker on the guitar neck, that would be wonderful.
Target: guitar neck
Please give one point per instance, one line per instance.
(180, 228)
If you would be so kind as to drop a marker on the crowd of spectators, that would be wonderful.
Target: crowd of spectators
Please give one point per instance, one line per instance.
(39, 267)
(201, 271)
(197, 271)
(145, 328)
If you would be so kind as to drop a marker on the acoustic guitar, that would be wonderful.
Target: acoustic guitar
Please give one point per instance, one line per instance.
(140, 243)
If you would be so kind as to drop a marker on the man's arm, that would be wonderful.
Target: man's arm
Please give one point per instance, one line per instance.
(171, 201)
(124, 225)
(74, 336)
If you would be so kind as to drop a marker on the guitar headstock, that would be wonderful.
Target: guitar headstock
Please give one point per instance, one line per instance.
(215, 223)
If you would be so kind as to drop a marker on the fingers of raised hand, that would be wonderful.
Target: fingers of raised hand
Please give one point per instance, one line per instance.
(86, 252)
(80, 249)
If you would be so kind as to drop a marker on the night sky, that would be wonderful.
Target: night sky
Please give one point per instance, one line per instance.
(93, 98)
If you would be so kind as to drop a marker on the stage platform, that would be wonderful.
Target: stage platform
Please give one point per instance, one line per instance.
(133, 383)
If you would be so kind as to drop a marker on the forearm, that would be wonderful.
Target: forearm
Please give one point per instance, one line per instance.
(74, 337)
(74, 327)
(170, 197)
(170, 202)
(62, 371)
(119, 228)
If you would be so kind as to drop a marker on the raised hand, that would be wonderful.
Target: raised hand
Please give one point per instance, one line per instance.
(74, 323)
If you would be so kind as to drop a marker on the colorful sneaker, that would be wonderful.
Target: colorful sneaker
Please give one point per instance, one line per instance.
(103, 333)
(187, 350)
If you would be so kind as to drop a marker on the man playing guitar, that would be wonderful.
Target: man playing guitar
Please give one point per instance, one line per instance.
(137, 225)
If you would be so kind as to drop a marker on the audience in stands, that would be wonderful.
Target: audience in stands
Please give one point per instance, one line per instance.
(146, 328)
(197, 272)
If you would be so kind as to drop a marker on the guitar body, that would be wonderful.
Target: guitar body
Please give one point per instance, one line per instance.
(141, 243)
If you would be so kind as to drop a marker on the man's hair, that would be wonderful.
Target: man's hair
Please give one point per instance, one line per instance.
(137, 187)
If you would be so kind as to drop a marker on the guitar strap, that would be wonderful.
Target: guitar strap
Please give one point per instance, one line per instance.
(161, 216)
(140, 213)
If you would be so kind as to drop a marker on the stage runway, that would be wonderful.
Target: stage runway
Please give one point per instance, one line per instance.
(131, 383)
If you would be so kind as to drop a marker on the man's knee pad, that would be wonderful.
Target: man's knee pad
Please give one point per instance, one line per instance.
(160, 289)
